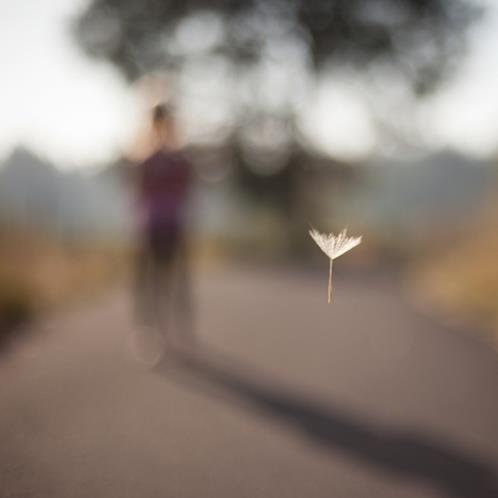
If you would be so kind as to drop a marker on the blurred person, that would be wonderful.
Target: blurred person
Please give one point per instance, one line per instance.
(162, 292)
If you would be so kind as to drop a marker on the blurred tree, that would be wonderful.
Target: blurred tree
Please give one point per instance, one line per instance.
(261, 58)
(418, 38)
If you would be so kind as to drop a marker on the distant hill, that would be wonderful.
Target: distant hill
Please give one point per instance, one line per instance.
(34, 194)
(413, 198)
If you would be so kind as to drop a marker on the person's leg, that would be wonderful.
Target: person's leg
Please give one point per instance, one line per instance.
(183, 295)
(142, 285)
(145, 342)
(163, 270)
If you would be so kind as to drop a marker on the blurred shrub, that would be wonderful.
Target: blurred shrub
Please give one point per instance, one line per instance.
(17, 306)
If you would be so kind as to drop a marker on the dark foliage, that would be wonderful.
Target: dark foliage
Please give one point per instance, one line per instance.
(421, 39)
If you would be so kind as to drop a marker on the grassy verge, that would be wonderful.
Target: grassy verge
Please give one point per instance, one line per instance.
(460, 280)
(38, 272)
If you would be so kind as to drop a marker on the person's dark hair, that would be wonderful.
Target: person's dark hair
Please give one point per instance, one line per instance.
(161, 112)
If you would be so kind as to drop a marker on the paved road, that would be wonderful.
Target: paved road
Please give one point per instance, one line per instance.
(288, 397)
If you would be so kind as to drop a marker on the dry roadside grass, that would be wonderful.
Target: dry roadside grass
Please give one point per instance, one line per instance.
(460, 280)
(37, 272)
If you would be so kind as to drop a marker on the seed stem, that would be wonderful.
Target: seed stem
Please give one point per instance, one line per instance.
(330, 280)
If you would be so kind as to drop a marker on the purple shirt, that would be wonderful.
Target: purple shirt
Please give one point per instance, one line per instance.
(164, 183)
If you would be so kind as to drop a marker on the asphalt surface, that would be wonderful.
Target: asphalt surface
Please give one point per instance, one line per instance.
(286, 396)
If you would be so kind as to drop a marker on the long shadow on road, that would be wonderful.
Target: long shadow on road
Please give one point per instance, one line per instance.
(406, 453)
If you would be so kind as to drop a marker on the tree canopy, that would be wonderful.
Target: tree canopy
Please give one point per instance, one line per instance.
(419, 39)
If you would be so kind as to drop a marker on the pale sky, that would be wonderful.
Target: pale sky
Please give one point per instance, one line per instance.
(465, 115)
(53, 99)
(78, 112)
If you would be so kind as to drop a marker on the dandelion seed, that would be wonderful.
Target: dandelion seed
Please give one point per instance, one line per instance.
(334, 246)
